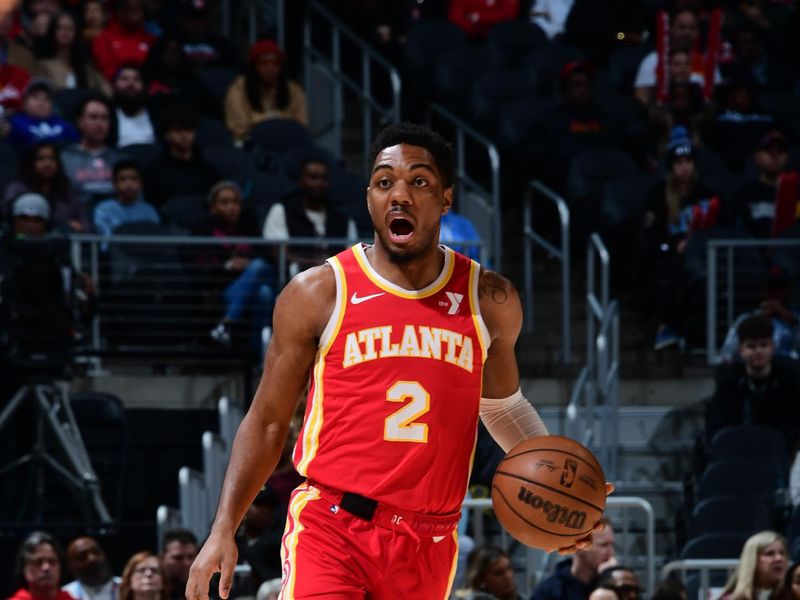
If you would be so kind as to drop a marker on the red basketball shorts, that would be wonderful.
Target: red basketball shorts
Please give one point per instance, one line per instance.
(330, 553)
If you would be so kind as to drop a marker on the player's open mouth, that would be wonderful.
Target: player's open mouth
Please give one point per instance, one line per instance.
(400, 228)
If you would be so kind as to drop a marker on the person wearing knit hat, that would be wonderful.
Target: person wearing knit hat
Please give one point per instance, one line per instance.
(263, 92)
(675, 209)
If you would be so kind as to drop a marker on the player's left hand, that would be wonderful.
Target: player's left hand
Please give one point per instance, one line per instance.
(586, 542)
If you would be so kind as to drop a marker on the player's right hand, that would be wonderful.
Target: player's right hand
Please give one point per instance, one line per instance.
(219, 555)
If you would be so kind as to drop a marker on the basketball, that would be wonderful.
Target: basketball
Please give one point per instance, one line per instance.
(548, 492)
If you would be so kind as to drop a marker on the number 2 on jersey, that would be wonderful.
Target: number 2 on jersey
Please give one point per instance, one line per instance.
(400, 426)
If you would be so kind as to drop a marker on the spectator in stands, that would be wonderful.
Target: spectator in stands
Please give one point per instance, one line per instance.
(684, 108)
(489, 575)
(37, 122)
(259, 539)
(476, 18)
(16, 64)
(575, 577)
(172, 79)
(768, 205)
(576, 122)
(124, 41)
(35, 18)
(37, 569)
(247, 280)
(134, 124)
(751, 58)
(127, 205)
(144, 578)
(306, 213)
(269, 590)
(181, 168)
(263, 92)
(670, 589)
(684, 34)
(738, 124)
(88, 563)
(762, 567)
(603, 593)
(623, 581)
(95, 19)
(30, 216)
(12, 51)
(775, 304)
(202, 46)
(674, 209)
(88, 163)
(41, 171)
(757, 391)
(65, 61)
(456, 228)
(791, 583)
(179, 551)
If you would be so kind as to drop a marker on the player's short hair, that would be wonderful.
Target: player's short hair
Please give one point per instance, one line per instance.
(414, 134)
(755, 327)
(183, 536)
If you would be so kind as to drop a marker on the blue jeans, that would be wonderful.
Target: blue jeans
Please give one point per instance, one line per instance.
(252, 291)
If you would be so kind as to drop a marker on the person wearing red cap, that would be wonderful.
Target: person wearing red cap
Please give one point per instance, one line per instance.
(263, 92)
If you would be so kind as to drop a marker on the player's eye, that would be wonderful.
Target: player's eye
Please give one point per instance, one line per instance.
(420, 182)
(384, 183)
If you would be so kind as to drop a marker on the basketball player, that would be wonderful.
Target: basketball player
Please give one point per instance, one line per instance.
(407, 344)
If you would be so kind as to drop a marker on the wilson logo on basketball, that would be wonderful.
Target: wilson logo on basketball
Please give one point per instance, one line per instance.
(555, 513)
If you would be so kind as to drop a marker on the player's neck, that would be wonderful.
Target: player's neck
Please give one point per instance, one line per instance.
(412, 274)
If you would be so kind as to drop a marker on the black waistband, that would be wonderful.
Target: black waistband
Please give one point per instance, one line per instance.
(359, 505)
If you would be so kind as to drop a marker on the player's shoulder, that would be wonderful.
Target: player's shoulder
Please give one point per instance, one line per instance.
(309, 297)
(495, 287)
(499, 304)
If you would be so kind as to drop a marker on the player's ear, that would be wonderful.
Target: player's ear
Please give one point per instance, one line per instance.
(447, 200)
(366, 197)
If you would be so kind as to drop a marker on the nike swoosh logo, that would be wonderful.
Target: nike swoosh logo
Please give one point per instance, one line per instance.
(354, 299)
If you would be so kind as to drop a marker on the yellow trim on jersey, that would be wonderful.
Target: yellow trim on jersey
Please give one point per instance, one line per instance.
(475, 309)
(289, 546)
(453, 567)
(388, 286)
(315, 416)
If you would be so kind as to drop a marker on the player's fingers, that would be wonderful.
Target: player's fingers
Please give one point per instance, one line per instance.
(609, 488)
(197, 585)
(226, 577)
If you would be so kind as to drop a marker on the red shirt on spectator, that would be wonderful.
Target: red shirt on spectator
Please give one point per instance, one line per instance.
(115, 46)
(13, 81)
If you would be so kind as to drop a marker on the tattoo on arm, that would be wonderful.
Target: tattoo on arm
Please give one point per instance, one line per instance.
(494, 286)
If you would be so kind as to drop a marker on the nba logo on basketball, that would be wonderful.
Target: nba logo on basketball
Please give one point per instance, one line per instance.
(568, 474)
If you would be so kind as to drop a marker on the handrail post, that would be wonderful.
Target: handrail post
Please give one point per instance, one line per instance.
(338, 101)
(711, 302)
(366, 110)
(566, 285)
(527, 211)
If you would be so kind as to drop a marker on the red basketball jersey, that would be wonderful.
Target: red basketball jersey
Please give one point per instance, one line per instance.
(393, 407)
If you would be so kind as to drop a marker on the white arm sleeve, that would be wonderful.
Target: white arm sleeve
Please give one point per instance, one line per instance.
(511, 420)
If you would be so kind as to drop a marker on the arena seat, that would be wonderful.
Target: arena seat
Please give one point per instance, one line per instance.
(721, 544)
(232, 163)
(511, 41)
(427, 40)
(548, 61)
(491, 90)
(275, 136)
(218, 80)
(732, 475)
(212, 132)
(623, 64)
(183, 213)
(590, 169)
(738, 513)
(455, 71)
(67, 100)
(753, 442)
(8, 165)
(144, 155)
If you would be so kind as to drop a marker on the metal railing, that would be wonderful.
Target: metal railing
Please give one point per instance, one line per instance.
(721, 263)
(536, 560)
(704, 566)
(273, 11)
(158, 291)
(596, 422)
(561, 253)
(477, 201)
(325, 73)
